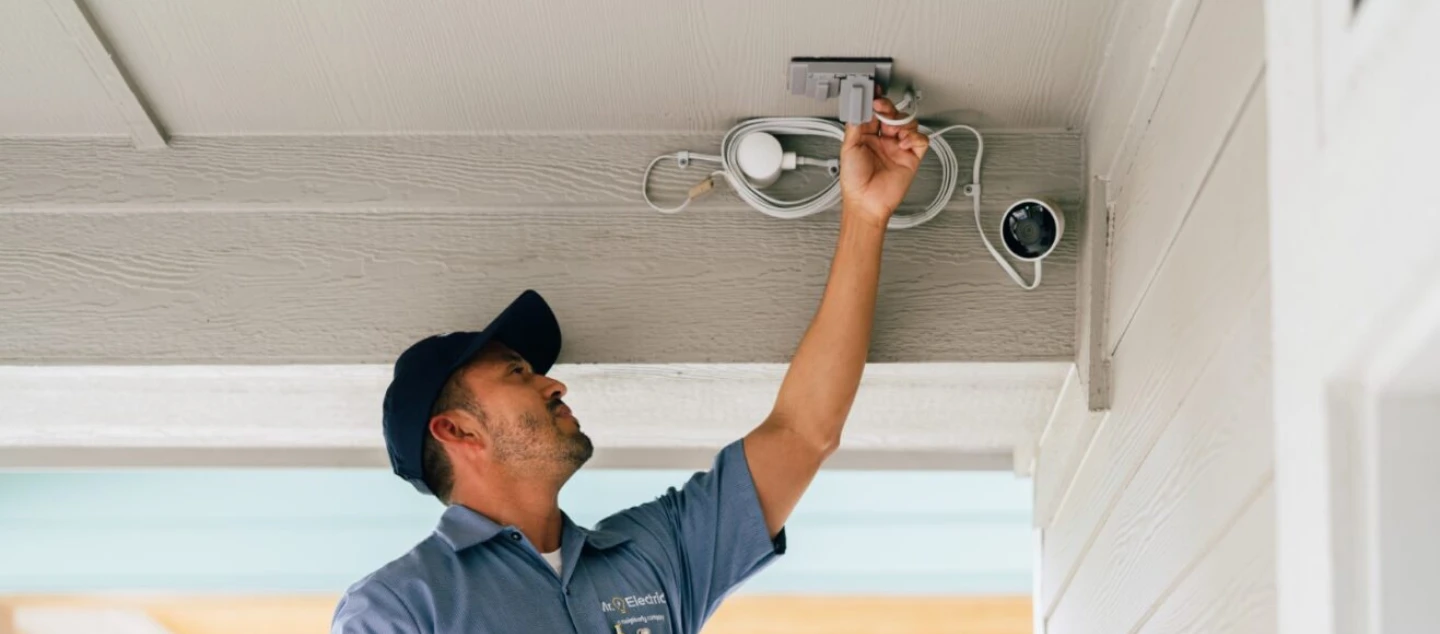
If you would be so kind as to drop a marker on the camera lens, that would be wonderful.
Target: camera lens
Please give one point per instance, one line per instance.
(1029, 230)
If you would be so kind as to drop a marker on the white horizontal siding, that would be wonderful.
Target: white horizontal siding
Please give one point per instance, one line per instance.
(1175, 480)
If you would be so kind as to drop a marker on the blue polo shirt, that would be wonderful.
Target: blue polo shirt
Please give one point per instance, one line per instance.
(658, 568)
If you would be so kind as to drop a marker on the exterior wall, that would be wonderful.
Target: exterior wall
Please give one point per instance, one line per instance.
(1158, 515)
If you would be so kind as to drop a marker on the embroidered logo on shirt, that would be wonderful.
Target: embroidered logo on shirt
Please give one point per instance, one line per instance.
(624, 604)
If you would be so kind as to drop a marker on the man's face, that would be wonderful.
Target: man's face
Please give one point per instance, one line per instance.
(529, 426)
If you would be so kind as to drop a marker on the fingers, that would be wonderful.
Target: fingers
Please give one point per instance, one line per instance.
(914, 142)
(885, 108)
(908, 136)
(853, 134)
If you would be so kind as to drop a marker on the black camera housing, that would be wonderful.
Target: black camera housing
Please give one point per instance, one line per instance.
(1031, 228)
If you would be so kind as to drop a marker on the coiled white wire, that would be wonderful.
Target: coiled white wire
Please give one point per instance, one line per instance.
(728, 167)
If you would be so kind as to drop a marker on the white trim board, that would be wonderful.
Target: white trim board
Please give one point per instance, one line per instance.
(935, 415)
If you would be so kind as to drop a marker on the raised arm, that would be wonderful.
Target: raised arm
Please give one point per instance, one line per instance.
(877, 165)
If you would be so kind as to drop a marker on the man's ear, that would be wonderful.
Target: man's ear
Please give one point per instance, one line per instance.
(450, 428)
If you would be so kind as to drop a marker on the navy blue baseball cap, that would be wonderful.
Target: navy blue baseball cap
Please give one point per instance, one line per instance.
(527, 326)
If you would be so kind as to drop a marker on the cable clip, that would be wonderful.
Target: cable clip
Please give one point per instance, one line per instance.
(682, 158)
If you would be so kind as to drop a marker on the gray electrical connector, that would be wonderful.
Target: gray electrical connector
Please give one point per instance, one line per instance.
(852, 80)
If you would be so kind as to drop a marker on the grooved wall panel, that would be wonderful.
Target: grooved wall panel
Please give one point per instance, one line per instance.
(502, 172)
(1232, 589)
(1214, 77)
(1066, 438)
(461, 66)
(1200, 475)
(1197, 300)
(1146, 38)
(345, 250)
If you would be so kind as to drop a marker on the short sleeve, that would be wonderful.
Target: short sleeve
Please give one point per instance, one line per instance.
(712, 531)
(370, 607)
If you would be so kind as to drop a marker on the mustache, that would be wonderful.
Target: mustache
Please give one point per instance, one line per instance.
(555, 404)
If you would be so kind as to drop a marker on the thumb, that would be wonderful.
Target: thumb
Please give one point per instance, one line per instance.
(852, 135)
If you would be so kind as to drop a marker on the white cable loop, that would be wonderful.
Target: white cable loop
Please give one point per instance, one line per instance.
(830, 196)
(910, 105)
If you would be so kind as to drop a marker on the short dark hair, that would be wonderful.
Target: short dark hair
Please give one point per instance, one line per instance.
(435, 468)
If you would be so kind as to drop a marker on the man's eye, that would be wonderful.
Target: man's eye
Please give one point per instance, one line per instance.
(517, 370)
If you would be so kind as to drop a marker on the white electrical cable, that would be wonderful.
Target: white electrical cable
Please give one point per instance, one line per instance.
(828, 197)
(909, 104)
(792, 209)
(973, 191)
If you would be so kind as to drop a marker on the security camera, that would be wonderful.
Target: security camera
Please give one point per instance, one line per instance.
(1031, 228)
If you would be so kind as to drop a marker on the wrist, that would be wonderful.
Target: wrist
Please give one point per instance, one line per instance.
(868, 215)
(864, 228)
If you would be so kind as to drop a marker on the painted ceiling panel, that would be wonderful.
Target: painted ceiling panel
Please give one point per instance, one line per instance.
(461, 66)
(46, 88)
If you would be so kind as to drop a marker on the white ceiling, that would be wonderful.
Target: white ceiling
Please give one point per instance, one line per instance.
(466, 66)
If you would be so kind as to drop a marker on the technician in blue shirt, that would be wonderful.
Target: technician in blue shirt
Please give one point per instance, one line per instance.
(472, 419)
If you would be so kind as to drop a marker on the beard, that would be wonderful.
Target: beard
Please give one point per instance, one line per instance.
(541, 444)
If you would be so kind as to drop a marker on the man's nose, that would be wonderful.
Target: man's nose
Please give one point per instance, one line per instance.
(554, 389)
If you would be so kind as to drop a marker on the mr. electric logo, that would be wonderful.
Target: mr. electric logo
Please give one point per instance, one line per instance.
(623, 605)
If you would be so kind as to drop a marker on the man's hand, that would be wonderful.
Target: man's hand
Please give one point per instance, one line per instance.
(878, 163)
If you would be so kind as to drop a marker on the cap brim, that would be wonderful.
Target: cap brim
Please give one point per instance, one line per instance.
(528, 327)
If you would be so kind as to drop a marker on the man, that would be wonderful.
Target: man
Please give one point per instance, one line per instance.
(472, 419)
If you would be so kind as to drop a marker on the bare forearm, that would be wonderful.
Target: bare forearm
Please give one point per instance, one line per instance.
(877, 165)
(820, 386)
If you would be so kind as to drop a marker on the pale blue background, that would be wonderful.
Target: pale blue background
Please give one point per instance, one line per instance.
(277, 531)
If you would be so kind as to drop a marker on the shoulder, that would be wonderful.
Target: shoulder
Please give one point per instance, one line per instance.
(397, 593)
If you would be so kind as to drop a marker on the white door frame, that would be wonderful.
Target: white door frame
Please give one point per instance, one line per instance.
(1384, 420)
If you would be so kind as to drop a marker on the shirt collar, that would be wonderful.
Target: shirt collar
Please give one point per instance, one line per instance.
(461, 527)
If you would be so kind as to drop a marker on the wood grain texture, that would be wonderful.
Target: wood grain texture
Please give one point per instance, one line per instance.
(345, 251)
(502, 172)
(1145, 39)
(1215, 76)
(1062, 446)
(382, 66)
(975, 409)
(743, 614)
(1201, 474)
(100, 56)
(46, 86)
(1231, 590)
(1190, 310)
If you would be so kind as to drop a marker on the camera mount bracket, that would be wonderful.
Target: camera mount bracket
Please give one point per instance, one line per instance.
(851, 79)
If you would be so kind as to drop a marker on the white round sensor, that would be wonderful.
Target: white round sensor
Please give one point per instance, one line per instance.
(760, 158)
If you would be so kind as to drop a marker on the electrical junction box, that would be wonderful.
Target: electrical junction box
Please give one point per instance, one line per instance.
(851, 79)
